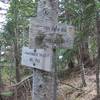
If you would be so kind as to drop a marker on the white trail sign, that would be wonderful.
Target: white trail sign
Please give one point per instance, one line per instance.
(37, 58)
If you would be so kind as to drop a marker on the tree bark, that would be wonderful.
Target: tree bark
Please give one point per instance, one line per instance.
(0, 70)
(16, 47)
(98, 57)
(17, 61)
(85, 53)
(82, 67)
(71, 64)
(44, 84)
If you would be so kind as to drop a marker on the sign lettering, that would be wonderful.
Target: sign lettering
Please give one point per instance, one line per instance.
(47, 27)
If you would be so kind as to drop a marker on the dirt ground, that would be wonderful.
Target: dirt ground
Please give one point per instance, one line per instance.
(71, 89)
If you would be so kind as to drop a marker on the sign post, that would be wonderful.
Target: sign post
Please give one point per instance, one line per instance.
(54, 75)
(44, 87)
(45, 35)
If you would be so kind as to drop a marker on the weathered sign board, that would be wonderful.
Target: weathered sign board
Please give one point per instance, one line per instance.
(52, 33)
(49, 27)
(37, 58)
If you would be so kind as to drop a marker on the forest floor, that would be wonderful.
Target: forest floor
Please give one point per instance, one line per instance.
(71, 88)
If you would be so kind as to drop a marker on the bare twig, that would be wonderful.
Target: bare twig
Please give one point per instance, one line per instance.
(71, 86)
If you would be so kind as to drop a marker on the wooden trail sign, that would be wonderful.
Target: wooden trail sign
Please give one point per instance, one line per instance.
(37, 58)
(51, 33)
(49, 27)
(48, 32)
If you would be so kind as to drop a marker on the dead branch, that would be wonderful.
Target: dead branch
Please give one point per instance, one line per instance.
(71, 86)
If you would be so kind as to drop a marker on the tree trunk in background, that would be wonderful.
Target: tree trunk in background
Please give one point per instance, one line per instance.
(71, 64)
(16, 37)
(85, 53)
(0, 69)
(82, 66)
(98, 57)
(17, 61)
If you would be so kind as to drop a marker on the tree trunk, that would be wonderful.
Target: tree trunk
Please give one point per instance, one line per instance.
(0, 70)
(70, 64)
(85, 53)
(98, 57)
(44, 83)
(17, 61)
(97, 80)
(82, 67)
(16, 47)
